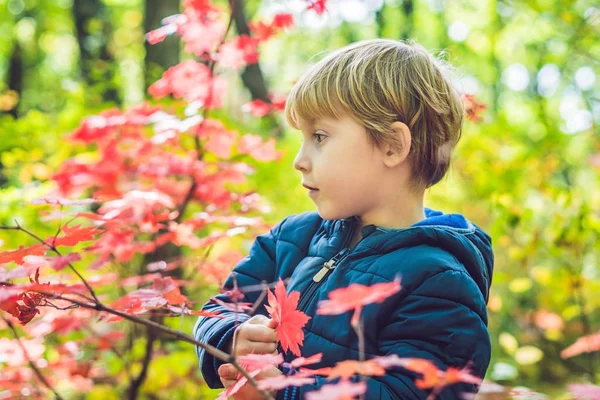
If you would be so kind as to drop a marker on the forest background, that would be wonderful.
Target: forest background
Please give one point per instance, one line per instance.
(526, 170)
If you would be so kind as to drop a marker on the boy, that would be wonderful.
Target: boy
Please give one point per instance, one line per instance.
(380, 119)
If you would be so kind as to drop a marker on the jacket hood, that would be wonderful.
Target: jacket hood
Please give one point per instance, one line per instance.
(450, 232)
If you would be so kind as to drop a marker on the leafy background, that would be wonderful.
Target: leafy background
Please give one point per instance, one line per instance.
(527, 172)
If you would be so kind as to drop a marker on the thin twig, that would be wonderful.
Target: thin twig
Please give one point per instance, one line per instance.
(361, 350)
(137, 382)
(260, 299)
(113, 348)
(161, 328)
(31, 363)
(200, 154)
(54, 249)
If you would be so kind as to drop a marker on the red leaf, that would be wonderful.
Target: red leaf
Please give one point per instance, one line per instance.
(238, 52)
(254, 146)
(585, 344)
(263, 31)
(59, 201)
(74, 235)
(254, 361)
(187, 311)
(356, 296)
(60, 262)
(430, 374)
(200, 6)
(257, 107)
(289, 320)
(163, 292)
(158, 35)
(347, 368)
(457, 375)
(17, 255)
(283, 20)
(233, 307)
(585, 391)
(201, 33)
(595, 160)
(473, 108)
(343, 390)
(302, 361)
(319, 6)
(192, 81)
(233, 389)
(282, 381)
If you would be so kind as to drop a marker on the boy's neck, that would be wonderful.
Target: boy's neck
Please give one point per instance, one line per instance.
(393, 217)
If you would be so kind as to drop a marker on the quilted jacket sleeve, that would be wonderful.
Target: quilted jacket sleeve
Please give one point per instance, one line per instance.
(258, 266)
(442, 320)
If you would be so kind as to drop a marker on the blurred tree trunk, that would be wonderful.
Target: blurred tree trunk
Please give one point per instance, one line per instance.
(93, 31)
(252, 76)
(380, 20)
(408, 23)
(15, 77)
(160, 56)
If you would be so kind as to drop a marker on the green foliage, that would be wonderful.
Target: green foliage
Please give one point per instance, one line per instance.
(521, 174)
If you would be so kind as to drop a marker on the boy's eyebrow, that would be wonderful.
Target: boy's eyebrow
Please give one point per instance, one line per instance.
(323, 123)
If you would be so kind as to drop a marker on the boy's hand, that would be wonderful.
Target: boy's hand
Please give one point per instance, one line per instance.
(255, 335)
(228, 374)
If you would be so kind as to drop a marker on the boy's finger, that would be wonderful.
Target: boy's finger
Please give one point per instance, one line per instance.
(272, 324)
(227, 371)
(248, 347)
(228, 382)
(260, 333)
(258, 319)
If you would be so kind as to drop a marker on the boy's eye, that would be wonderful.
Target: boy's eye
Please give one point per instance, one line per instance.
(317, 135)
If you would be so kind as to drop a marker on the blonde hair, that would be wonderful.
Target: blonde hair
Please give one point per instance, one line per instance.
(380, 81)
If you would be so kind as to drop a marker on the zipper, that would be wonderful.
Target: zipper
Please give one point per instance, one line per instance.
(325, 270)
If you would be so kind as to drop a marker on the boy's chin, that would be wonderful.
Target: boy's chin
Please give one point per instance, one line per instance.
(328, 215)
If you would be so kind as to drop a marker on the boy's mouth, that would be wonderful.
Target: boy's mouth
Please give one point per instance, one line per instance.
(309, 187)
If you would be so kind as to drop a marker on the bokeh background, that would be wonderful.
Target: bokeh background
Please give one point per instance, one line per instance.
(527, 168)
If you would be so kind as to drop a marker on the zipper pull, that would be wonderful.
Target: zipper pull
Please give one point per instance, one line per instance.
(327, 266)
(323, 271)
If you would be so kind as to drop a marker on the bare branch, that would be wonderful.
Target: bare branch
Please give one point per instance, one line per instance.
(54, 249)
(98, 306)
(31, 363)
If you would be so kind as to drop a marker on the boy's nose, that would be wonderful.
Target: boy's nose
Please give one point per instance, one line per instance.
(301, 162)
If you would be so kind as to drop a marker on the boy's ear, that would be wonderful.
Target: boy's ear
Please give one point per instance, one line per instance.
(395, 153)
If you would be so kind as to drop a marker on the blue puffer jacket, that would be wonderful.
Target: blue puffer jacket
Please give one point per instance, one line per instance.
(445, 264)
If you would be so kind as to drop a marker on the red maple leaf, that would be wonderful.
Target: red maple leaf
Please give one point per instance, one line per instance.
(282, 381)
(163, 292)
(585, 391)
(302, 361)
(17, 255)
(456, 375)
(257, 107)
(473, 108)
(259, 150)
(238, 52)
(343, 390)
(585, 344)
(256, 361)
(233, 389)
(74, 235)
(355, 297)
(290, 321)
(319, 6)
(283, 20)
(60, 262)
(347, 368)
